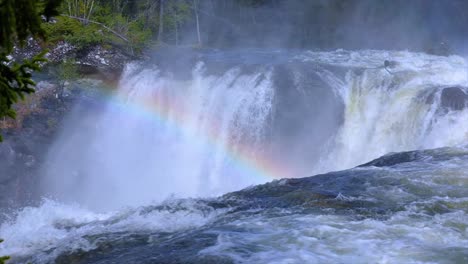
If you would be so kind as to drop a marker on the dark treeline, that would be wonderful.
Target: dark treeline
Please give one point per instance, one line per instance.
(312, 24)
(331, 24)
(320, 24)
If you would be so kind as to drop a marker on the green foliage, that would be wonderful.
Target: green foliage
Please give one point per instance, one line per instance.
(177, 13)
(74, 32)
(66, 71)
(131, 24)
(16, 81)
(20, 19)
(3, 259)
(140, 36)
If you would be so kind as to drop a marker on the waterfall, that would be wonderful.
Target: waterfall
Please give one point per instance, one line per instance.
(224, 128)
(420, 104)
(159, 137)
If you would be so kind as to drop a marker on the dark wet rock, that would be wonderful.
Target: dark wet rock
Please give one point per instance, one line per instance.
(335, 190)
(27, 139)
(356, 194)
(441, 48)
(390, 63)
(302, 91)
(394, 159)
(104, 61)
(454, 98)
(167, 248)
(450, 98)
(39, 118)
(107, 59)
(301, 94)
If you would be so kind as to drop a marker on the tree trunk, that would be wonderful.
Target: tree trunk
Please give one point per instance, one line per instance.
(195, 7)
(161, 21)
(102, 25)
(252, 15)
(176, 29)
(90, 10)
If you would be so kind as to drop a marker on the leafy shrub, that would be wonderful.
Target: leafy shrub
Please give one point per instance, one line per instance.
(74, 32)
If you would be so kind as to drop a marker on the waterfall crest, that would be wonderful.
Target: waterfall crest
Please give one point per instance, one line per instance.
(224, 128)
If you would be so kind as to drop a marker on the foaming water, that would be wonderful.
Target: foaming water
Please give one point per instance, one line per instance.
(401, 208)
(421, 217)
(43, 233)
(160, 137)
(119, 175)
(223, 129)
(397, 109)
(36, 229)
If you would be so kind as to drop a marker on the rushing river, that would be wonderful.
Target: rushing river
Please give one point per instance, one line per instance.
(149, 178)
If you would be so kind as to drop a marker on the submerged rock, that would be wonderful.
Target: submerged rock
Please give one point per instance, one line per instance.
(394, 159)
(387, 202)
(454, 98)
(449, 98)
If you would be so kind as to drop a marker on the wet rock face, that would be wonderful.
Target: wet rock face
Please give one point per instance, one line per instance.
(451, 98)
(454, 98)
(102, 61)
(394, 159)
(363, 194)
(39, 117)
(27, 139)
(103, 58)
(303, 100)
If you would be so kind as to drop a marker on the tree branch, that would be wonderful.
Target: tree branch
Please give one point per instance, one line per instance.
(100, 24)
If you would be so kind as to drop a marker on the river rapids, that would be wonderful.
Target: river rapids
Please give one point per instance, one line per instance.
(205, 161)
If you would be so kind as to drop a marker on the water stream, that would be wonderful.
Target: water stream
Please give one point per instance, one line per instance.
(147, 177)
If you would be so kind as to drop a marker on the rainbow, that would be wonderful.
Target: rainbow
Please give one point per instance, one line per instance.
(243, 157)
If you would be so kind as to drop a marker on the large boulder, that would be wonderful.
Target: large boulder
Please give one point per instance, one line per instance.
(452, 98)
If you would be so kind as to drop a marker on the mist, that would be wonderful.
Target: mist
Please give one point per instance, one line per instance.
(327, 25)
(251, 82)
(242, 131)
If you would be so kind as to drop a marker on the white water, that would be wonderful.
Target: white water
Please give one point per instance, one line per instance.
(126, 156)
(430, 226)
(46, 231)
(419, 232)
(390, 112)
(160, 136)
(140, 149)
(337, 239)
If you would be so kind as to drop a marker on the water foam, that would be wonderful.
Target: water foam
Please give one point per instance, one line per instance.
(44, 232)
(209, 134)
(161, 137)
(392, 112)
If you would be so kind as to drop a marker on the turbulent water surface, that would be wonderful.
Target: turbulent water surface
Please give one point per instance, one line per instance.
(146, 179)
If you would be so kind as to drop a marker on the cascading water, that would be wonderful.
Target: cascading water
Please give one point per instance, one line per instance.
(160, 137)
(419, 104)
(232, 123)
(218, 132)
